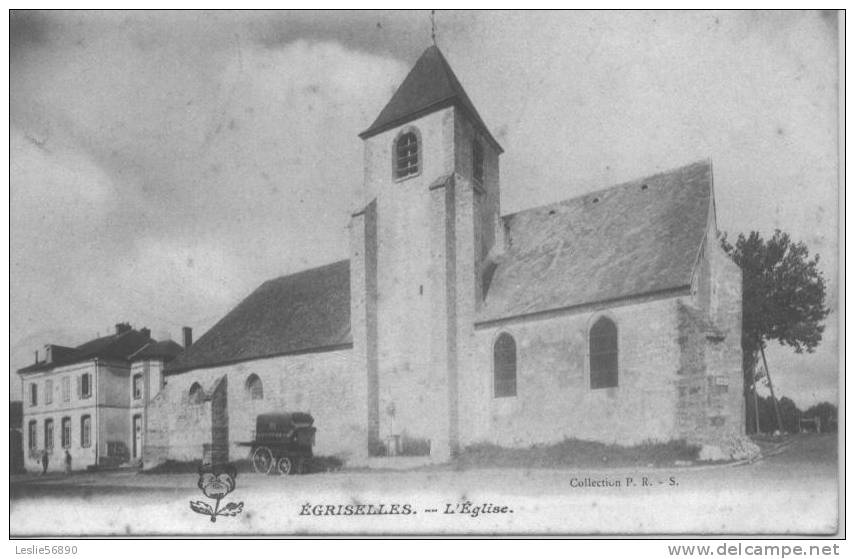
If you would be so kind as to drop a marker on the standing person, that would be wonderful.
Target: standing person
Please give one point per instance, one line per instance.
(44, 462)
(67, 462)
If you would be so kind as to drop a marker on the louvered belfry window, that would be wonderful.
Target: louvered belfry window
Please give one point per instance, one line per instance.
(406, 155)
(505, 366)
(603, 354)
(477, 161)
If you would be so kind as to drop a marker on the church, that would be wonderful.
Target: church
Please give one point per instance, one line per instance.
(614, 316)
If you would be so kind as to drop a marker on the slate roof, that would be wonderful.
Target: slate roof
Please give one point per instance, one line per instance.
(60, 352)
(118, 346)
(166, 350)
(306, 311)
(635, 238)
(430, 85)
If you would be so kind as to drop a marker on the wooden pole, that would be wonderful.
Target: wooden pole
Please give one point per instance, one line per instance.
(771, 389)
(756, 406)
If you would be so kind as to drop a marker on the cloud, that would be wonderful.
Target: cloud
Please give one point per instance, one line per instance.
(155, 186)
(142, 141)
(60, 202)
(168, 283)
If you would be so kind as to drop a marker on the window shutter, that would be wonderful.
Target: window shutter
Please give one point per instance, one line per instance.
(77, 383)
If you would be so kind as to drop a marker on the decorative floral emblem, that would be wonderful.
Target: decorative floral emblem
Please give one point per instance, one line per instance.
(216, 482)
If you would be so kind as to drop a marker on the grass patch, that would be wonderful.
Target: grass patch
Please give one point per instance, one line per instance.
(575, 453)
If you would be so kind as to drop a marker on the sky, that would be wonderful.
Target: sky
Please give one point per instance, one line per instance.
(165, 164)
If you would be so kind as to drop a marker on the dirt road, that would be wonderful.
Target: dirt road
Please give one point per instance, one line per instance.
(793, 492)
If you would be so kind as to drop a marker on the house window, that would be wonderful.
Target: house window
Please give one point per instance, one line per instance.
(48, 434)
(406, 155)
(505, 366)
(603, 354)
(85, 431)
(197, 396)
(66, 389)
(86, 385)
(32, 434)
(138, 386)
(66, 432)
(477, 161)
(34, 394)
(254, 388)
(48, 392)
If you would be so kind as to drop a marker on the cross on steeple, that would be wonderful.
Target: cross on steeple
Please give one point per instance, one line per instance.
(433, 26)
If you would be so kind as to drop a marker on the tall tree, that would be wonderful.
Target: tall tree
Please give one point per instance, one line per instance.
(783, 298)
(827, 414)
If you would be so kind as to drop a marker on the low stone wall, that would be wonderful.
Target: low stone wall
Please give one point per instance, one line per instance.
(319, 383)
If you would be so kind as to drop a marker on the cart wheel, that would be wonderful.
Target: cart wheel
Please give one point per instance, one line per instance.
(285, 465)
(262, 460)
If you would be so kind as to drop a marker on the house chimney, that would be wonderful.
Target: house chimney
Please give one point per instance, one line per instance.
(122, 327)
(188, 336)
(48, 354)
(36, 353)
(145, 332)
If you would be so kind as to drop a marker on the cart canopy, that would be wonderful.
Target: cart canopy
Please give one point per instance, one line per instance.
(274, 423)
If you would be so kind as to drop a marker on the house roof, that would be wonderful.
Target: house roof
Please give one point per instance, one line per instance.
(430, 85)
(165, 349)
(119, 346)
(632, 239)
(302, 312)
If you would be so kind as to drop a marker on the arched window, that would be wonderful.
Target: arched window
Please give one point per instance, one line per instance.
(406, 155)
(505, 366)
(254, 388)
(197, 396)
(603, 354)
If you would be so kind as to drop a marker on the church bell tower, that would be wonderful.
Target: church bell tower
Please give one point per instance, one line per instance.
(423, 224)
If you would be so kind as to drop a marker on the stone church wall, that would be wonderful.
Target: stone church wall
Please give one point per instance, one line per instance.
(317, 383)
(680, 376)
(397, 328)
(554, 399)
(711, 408)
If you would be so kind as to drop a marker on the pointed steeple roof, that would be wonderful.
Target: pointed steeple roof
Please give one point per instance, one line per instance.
(431, 85)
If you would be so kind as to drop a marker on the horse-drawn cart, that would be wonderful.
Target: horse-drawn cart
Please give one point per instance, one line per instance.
(282, 441)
